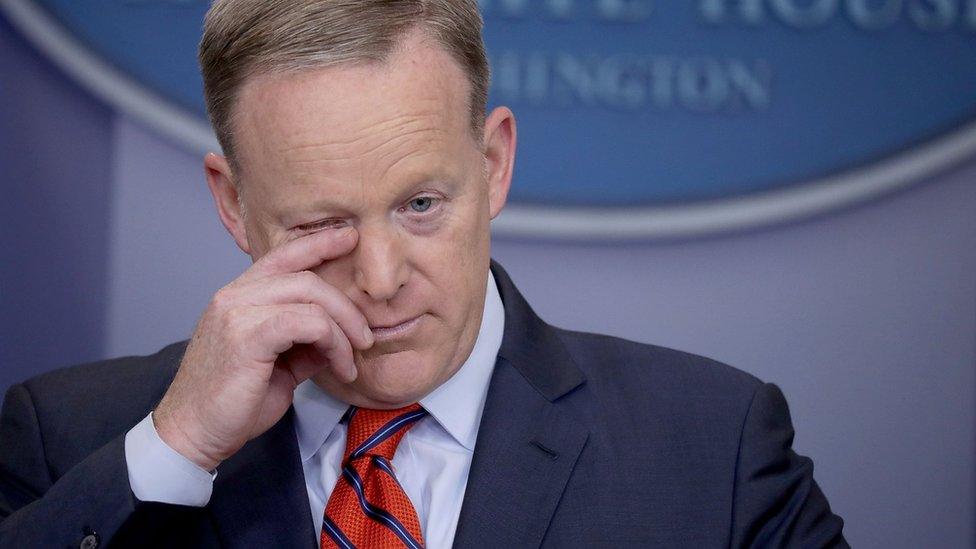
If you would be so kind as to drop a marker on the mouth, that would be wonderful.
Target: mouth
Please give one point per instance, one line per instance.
(386, 333)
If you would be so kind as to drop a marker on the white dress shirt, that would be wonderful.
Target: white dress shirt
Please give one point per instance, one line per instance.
(432, 461)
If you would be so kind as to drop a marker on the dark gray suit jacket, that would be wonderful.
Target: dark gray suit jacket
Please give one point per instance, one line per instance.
(586, 441)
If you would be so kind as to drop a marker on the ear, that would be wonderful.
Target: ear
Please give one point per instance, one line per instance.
(500, 141)
(220, 179)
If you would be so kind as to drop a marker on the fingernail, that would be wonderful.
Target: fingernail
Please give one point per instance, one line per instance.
(368, 335)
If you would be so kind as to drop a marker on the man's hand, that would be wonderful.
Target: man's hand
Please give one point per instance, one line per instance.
(264, 333)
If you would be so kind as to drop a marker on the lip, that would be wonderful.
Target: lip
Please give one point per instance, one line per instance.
(386, 333)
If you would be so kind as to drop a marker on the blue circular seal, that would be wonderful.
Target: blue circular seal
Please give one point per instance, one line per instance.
(636, 118)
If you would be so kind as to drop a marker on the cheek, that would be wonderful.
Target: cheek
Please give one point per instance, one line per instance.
(461, 261)
(446, 260)
(458, 243)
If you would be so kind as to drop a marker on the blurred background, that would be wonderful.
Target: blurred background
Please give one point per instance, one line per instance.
(788, 186)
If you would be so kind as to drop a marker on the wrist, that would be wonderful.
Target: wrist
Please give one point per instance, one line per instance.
(174, 433)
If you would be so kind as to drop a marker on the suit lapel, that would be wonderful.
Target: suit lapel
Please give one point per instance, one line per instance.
(528, 441)
(259, 497)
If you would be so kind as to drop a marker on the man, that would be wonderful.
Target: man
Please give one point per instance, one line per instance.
(369, 381)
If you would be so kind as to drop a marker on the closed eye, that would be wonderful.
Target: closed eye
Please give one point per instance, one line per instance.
(322, 224)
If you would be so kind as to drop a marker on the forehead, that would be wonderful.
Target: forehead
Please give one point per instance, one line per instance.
(331, 117)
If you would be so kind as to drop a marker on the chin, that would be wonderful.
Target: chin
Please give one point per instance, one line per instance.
(396, 378)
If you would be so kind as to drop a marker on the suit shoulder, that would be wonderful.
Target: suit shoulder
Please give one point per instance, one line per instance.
(103, 392)
(80, 408)
(131, 373)
(614, 361)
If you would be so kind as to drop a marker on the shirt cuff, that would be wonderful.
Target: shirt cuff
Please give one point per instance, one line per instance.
(160, 473)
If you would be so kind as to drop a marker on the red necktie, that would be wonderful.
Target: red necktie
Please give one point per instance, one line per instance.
(368, 508)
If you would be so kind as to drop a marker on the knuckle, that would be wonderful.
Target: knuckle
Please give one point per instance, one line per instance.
(221, 299)
(284, 321)
(331, 295)
(316, 323)
(328, 333)
(314, 309)
(308, 277)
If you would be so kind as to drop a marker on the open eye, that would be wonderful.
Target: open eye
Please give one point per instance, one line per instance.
(421, 204)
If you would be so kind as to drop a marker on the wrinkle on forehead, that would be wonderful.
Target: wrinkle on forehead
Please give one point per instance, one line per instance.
(379, 140)
(351, 116)
(355, 138)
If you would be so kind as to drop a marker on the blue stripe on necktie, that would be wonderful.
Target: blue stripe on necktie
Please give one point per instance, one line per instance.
(336, 534)
(385, 465)
(347, 417)
(382, 463)
(387, 431)
(376, 513)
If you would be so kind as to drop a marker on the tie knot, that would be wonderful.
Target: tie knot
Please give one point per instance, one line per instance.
(378, 432)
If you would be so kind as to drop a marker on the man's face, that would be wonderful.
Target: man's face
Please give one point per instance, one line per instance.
(388, 149)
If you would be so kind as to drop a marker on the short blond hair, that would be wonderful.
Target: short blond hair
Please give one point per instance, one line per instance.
(245, 38)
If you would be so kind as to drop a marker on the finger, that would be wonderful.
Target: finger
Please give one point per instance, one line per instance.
(336, 353)
(307, 287)
(304, 253)
(284, 326)
(341, 358)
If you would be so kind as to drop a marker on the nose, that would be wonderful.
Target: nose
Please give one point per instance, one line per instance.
(380, 264)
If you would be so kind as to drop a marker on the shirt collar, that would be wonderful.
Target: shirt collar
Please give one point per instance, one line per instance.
(456, 404)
